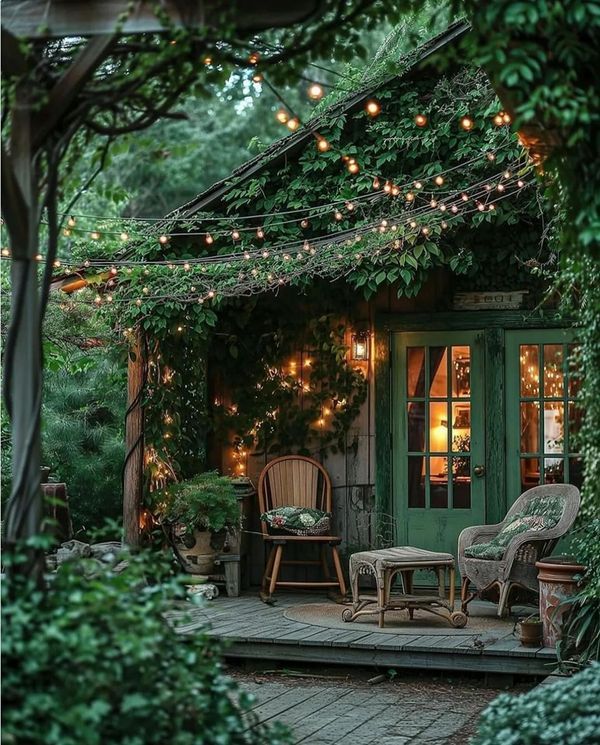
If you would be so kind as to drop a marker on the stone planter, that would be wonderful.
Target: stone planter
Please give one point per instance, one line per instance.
(530, 632)
(556, 576)
(194, 550)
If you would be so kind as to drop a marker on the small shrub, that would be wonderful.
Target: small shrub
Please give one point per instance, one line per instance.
(206, 502)
(566, 712)
(93, 662)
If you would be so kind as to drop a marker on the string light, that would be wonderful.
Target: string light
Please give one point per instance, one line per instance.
(235, 234)
(207, 60)
(94, 235)
(257, 78)
(376, 183)
(467, 123)
(421, 120)
(254, 58)
(322, 145)
(373, 107)
(208, 239)
(315, 92)
(282, 116)
(163, 239)
(124, 236)
(304, 224)
(260, 233)
(439, 180)
(71, 222)
(293, 123)
(5, 252)
(353, 167)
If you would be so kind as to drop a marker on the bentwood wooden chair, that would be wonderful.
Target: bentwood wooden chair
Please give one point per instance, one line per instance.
(297, 481)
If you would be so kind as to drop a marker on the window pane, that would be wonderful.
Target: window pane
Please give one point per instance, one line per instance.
(574, 372)
(438, 372)
(416, 481)
(530, 370)
(553, 370)
(415, 372)
(438, 482)
(461, 371)
(461, 427)
(530, 474)
(416, 427)
(438, 427)
(554, 470)
(554, 435)
(530, 426)
(576, 472)
(461, 482)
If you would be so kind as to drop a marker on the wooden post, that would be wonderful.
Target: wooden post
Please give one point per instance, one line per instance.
(133, 472)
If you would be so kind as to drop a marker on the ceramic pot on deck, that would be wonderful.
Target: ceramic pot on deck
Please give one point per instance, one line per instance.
(558, 578)
(195, 550)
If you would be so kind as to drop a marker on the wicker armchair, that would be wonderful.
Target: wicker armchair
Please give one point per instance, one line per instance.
(516, 566)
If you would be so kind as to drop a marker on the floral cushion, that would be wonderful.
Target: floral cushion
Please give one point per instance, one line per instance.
(541, 513)
(298, 520)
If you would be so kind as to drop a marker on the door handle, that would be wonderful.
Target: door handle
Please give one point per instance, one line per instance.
(479, 471)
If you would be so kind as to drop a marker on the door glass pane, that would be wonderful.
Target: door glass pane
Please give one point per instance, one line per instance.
(461, 371)
(415, 372)
(529, 370)
(574, 374)
(530, 473)
(530, 426)
(416, 481)
(438, 482)
(554, 439)
(461, 482)
(416, 427)
(554, 470)
(461, 427)
(553, 370)
(438, 427)
(438, 372)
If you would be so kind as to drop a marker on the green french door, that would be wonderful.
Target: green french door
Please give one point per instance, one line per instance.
(438, 436)
(542, 414)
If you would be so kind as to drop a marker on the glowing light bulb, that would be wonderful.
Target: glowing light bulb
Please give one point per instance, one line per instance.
(39, 257)
(246, 255)
(439, 180)
(211, 293)
(253, 58)
(145, 290)
(260, 233)
(410, 196)
(464, 197)
(349, 206)
(467, 123)
(56, 263)
(491, 156)
(444, 224)
(138, 302)
(338, 215)
(418, 185)
(94, 235)
(124, 236)
(322, 145)
(353, 167)
(376, 183)
(5, 252)
(498, 119)
(304, 224)
(442, 208)
(235, 235)
(454, 209)
(114, 271)
(208, 239)
(282, 116)
(520, 183)
(207, 60)
(412, 224)
(425, 231)
(506, 117)
(186, 266)
(97, 299)
(506, 174)
(265, 254)
(395, 190)
(373, 107)
(387, 187)
(421, 120)
(315, 92)
(500, 187)
(293, 123)
(257, 78)
(163, 239)
(66, 232)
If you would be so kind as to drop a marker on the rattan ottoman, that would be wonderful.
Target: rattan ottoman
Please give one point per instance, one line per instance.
(384, 565)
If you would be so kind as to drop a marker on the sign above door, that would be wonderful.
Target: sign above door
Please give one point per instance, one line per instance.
(489, 300)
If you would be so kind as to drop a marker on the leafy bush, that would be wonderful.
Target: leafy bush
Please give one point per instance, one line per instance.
(93, 662)
(206, 502)
(566, 712)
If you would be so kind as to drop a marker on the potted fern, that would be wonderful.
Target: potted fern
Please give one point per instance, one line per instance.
(192, 512)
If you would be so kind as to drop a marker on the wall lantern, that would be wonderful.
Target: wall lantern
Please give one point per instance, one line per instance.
(360, 346)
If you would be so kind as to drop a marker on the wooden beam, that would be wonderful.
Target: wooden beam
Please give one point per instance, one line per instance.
(48, 19)
(68, 87)
(133, 472)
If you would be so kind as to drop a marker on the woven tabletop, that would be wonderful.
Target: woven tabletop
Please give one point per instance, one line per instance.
(409, 555)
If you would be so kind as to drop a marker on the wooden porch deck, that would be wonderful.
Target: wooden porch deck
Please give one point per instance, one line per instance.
(253, 630)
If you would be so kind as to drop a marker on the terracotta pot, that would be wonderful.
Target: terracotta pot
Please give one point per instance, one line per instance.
(530, 633)
(556, 576)
(195, 552)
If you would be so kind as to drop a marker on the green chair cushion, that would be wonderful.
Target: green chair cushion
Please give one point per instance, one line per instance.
(540, 513)
(298, 520)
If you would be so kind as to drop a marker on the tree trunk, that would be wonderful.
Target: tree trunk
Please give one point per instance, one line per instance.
(133, 472)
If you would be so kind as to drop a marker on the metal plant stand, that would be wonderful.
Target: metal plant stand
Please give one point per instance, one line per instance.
(384, 565)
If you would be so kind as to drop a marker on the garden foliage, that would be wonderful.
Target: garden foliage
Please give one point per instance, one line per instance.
(93, 662)
(565, 712)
